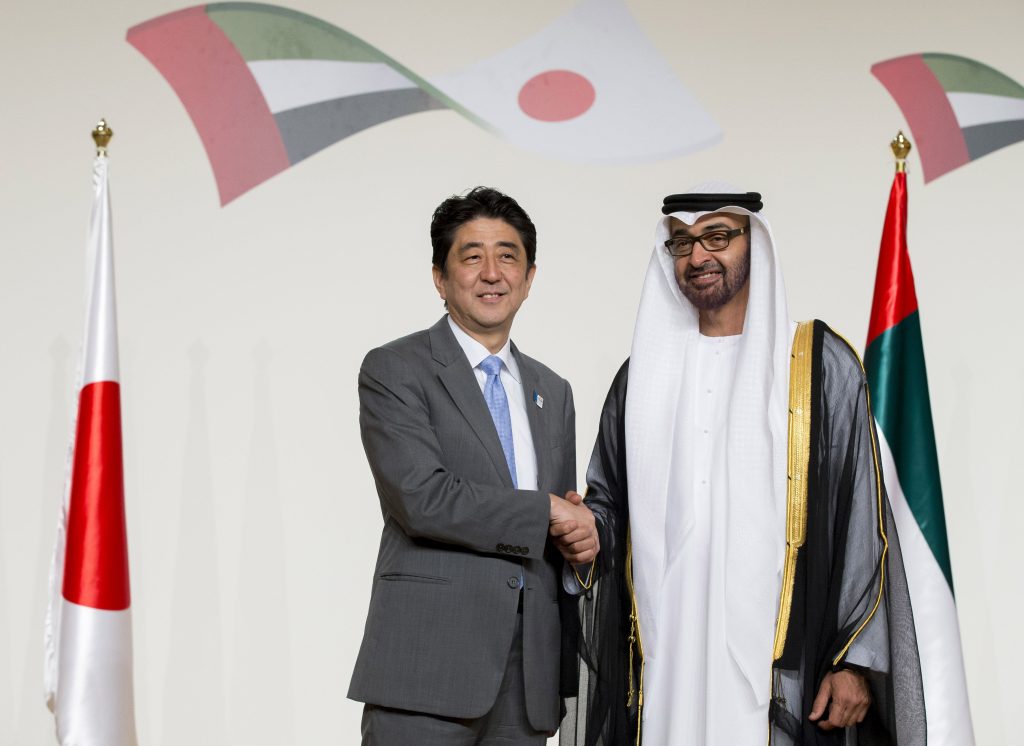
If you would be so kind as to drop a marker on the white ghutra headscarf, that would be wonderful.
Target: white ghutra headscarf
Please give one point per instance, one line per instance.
(756, 444)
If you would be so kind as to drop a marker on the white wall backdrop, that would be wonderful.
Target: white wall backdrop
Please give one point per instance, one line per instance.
(253, 521)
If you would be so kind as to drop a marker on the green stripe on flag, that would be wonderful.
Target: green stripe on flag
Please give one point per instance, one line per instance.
(267, 32)
(961, 75)
(898, 383)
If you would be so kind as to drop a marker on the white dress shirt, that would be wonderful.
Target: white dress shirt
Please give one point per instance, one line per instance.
(512, 381)
(695, 692)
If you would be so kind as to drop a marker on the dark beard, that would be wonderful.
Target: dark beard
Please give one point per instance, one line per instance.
(733, 281)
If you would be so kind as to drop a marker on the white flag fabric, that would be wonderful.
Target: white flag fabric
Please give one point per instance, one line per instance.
(935, 621)
(590, 87)
(88, 636)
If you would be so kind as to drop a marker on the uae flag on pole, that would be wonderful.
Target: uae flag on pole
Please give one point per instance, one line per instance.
(894, 360)
(88, 667)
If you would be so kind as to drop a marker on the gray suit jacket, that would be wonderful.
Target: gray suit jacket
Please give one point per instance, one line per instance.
(457, 534)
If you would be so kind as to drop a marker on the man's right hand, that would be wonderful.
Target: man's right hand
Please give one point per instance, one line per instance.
(573, 528)
(846, 695)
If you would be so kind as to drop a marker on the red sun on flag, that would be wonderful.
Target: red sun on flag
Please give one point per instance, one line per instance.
(556, 96)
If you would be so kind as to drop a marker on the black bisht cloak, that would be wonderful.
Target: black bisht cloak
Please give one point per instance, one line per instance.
(850, 602)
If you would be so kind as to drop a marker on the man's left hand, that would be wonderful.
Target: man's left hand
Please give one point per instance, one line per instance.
(847, 697)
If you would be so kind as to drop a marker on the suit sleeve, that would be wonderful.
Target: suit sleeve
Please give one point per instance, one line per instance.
(416, 487)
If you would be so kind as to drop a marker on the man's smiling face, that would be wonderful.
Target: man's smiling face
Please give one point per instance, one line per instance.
(486, 276)
(710, 280)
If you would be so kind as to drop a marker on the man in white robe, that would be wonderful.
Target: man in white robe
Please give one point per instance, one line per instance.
(711, 622)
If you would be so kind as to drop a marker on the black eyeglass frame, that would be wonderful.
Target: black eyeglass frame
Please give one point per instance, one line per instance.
(672, 248)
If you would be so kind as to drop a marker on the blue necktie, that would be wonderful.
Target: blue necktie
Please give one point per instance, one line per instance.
(497, 403)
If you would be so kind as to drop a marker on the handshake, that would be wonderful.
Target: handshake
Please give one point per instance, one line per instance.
(573, 528)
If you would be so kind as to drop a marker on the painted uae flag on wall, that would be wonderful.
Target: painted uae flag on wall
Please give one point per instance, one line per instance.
(894, 360)
(267, 87)
(88, 671)
(958, 109)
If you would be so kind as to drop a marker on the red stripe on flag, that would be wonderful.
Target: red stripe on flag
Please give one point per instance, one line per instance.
(96, 561)
(219, 93)
(895, 297)
(930, 116)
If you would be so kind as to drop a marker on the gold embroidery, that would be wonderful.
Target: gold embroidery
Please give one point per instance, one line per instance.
(590, 576)
(798, 457)
(634, 639)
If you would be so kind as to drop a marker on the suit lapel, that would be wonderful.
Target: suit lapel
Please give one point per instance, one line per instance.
(458, 378)
(537, 417)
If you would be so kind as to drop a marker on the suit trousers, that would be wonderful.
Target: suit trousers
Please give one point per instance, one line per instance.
(506, 724)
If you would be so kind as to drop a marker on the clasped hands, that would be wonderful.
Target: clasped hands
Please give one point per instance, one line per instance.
(573, 529)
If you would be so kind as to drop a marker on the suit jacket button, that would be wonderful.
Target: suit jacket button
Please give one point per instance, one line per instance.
(524, 550)
(513, 582)
(500, 547)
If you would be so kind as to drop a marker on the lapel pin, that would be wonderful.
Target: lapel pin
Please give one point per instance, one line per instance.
(538, 399)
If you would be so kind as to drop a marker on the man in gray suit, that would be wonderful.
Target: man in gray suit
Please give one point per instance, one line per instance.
(471, 443)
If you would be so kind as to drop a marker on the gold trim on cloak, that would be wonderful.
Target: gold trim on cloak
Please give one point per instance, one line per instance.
(634, 640)
(796, 508)
(881, 512)
(799, 449)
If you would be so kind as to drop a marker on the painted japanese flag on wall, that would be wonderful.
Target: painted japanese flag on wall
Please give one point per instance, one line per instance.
(590, 87)
(267, 87)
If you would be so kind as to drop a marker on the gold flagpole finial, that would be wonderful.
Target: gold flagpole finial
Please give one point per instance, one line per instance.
(101, 136)
(901, 149)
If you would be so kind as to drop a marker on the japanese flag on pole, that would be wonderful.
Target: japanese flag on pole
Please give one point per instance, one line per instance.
(88, 666)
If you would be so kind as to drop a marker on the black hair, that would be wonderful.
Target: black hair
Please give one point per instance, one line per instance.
(479, 202)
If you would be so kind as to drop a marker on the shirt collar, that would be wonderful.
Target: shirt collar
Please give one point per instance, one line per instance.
(727, 341)
(476, 352)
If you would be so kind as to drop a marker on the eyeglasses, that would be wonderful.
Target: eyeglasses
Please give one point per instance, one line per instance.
(711, 241)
